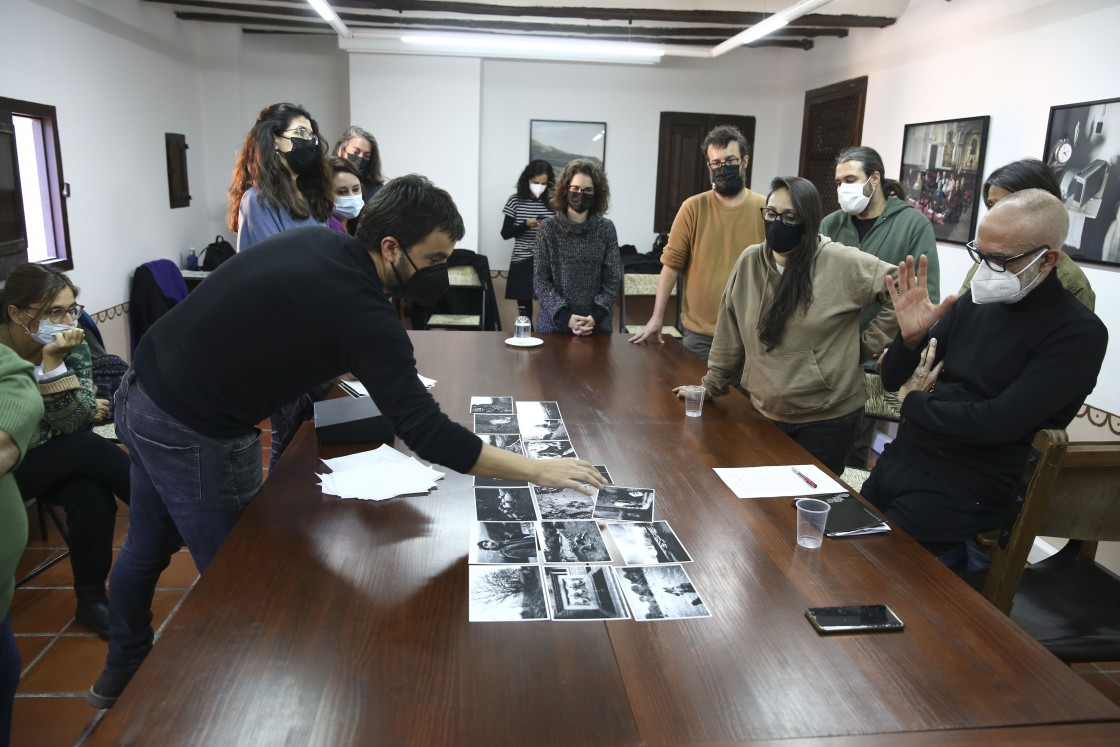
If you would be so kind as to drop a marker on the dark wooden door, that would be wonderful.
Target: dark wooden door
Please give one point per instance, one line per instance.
(680, 163)
(833, 121)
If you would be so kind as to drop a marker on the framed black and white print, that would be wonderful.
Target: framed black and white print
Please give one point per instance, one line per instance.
(559, 143)
(942, 171)
(1083, 149)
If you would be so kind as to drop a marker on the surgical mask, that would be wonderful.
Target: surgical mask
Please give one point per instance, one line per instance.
(537, 189)
(989, 286)
(47, 331)
(852, 199)
(303, 156)
(426, 286)
(358, 162)
(728, 180)
(580, 203)
(782, 238)
(348, 206)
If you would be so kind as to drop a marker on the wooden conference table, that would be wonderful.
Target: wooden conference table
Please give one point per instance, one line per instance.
(323, 622)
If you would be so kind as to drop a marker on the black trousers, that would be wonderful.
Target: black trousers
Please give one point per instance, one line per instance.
(80, 472)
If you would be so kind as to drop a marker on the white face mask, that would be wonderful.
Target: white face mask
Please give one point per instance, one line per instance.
(537, 189)
(348, 206)
(47, 331)
(989, 286)
(852, 199)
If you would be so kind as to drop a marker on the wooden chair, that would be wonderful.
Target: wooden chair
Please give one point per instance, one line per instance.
(463, 280)
(645, 284)
(1068, 602)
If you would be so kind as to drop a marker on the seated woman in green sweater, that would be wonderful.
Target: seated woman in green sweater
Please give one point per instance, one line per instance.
(789, 320)
(67, 463)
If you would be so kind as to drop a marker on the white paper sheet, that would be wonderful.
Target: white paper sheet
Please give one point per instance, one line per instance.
(778, 481)
(377, 475)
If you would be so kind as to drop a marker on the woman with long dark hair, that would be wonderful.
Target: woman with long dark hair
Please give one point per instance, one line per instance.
(67, 463)
(524, 211)
(281, 179)
(346, 183)
(359, 147)
(789, 320)
(577, 270)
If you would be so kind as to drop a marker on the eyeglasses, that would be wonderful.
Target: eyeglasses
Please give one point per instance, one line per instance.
(55, 314)
(998, 264)
(303, 134)
(731, 161)
(770, 215)
(589, 191)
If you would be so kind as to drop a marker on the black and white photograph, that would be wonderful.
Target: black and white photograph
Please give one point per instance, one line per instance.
(660, 592)
(504, 504)
(543, 430)
(503, 542)
(942, 171)
(583, 592)
(482, 481)
(573, 542)
(499, 593)
(491, 405)
(648, 543)
(549, 450)
(503, 441)
(624, 504)
(562, 142)
(603, 471)
(1083, 149)
(563, 503)
(539, 411)
(496, 424)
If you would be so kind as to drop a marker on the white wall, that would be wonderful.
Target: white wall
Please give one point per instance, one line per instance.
(118, 86)
(1010, 59)
(424, 112)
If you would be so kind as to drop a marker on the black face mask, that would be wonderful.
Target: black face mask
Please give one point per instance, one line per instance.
(359, 162)
(580, 203)
(727, 180)
(782, 238)
(303, 156)
(425, 287)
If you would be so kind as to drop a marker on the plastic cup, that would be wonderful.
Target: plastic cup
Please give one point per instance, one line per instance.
(812, 515)
(693, 400)
(521, 328)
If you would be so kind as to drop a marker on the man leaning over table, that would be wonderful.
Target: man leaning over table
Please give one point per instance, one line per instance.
(301, 307)
(979, 376)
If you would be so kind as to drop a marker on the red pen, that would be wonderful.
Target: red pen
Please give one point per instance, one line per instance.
(809, 482)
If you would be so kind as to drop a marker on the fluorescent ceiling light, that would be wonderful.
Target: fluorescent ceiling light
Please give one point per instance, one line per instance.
(535, 46)
(769, 25)
(327, 12)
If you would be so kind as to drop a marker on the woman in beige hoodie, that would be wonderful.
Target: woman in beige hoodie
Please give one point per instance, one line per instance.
(789, 319)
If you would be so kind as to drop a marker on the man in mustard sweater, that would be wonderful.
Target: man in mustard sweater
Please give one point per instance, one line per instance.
(709, 233)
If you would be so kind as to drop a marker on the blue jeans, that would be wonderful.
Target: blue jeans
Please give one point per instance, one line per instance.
(827, 440)
(9, 677)
(186, 487)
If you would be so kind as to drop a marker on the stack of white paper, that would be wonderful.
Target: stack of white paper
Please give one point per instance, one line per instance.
(377, 475)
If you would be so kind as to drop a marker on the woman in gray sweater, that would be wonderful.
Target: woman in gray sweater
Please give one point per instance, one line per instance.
(577, 271)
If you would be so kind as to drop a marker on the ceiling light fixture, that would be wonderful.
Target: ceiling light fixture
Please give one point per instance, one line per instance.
(534, 46)
(327, 12)
(768, 25)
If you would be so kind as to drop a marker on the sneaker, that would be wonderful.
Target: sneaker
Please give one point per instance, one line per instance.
(108, 688)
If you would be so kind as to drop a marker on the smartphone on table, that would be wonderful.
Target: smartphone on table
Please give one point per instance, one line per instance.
(853, 619)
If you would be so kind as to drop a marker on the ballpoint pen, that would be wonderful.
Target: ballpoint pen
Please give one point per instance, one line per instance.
(808, 482)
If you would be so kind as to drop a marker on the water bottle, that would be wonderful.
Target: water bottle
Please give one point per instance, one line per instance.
(521, 328)
(192, 260)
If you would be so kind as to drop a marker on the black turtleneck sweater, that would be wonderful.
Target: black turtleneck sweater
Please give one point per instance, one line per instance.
(1010, 371)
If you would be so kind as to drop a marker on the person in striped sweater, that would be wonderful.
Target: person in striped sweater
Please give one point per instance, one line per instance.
(524, 211)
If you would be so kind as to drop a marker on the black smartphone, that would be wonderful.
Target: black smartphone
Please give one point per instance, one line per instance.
(852, 619)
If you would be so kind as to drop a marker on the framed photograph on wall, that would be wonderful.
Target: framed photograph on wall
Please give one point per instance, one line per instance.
(1083, 149)
(562, 142)
(942, 170)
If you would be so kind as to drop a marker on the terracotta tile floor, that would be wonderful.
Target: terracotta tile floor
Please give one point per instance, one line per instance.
(61, 658)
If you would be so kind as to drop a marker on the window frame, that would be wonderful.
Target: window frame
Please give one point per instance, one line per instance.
(57, 189)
